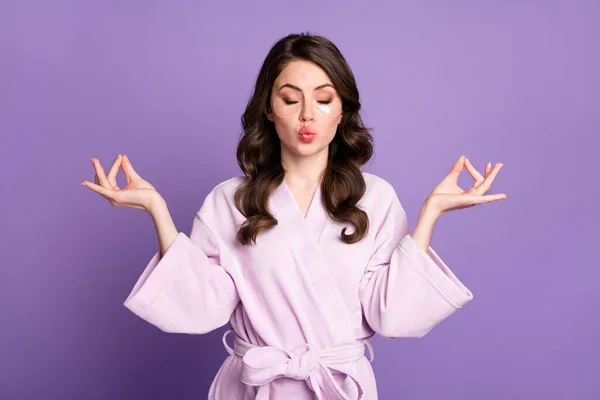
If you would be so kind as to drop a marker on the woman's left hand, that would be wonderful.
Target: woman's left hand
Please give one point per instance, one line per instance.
(448, 196)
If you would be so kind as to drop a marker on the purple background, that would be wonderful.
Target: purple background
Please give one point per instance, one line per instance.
(166, 83)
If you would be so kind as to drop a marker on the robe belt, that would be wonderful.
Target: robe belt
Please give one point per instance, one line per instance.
(263, 364)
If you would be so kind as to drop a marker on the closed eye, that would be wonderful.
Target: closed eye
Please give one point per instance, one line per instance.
(290, 102)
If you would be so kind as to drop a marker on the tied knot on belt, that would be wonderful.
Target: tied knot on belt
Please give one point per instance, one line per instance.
(264, 364)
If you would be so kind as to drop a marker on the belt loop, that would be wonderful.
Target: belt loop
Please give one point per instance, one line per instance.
(229, 349)
(370, 347)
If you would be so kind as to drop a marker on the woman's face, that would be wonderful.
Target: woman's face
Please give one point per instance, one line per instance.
(305, 108)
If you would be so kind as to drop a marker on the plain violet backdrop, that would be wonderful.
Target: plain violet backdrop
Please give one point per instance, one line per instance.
(166, 83)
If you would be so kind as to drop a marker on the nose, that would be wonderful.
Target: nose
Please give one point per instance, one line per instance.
(307, 112)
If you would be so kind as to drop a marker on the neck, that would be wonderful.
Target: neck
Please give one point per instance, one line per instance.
(304, 170)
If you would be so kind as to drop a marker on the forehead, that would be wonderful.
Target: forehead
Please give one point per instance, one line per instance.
(302, 73)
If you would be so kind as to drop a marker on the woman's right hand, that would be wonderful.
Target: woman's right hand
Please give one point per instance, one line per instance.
(138, 193)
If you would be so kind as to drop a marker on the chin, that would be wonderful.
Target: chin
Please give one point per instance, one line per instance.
(307, 151)
(311, 149)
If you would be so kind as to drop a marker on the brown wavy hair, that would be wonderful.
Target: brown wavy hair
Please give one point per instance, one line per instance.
(259, 148)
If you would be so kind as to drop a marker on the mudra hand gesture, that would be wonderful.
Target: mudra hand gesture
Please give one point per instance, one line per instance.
(448, 196)
(138, 193)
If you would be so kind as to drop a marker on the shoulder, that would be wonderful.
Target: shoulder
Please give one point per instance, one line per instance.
(220, 201)
(378, 189)
(226, 189)
(380, 200)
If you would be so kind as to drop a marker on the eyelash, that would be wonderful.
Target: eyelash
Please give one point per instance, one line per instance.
(288, 102)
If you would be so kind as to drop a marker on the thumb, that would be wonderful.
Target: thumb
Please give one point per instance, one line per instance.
(128, 168)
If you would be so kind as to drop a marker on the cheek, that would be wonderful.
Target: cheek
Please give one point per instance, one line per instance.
(283, 127)
(328, 127)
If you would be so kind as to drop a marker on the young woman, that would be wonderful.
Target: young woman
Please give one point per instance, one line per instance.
(305, 255)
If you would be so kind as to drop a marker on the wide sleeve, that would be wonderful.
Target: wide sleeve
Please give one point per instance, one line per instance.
(187, 290)
(406, 291)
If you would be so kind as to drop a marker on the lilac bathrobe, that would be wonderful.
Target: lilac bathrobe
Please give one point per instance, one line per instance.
(301, 302)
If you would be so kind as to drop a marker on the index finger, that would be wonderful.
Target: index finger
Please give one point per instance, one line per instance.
(487, 182)
(112, 173)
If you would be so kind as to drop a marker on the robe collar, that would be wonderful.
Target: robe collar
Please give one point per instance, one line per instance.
(284, 207)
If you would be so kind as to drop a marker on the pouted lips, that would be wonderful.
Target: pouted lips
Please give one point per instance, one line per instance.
(305, 130)
(307, 134)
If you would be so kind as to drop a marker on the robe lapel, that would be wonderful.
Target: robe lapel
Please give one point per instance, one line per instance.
(316, 216)
(303, 236)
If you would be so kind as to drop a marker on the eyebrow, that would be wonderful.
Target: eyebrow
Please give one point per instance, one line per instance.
(298, 89)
